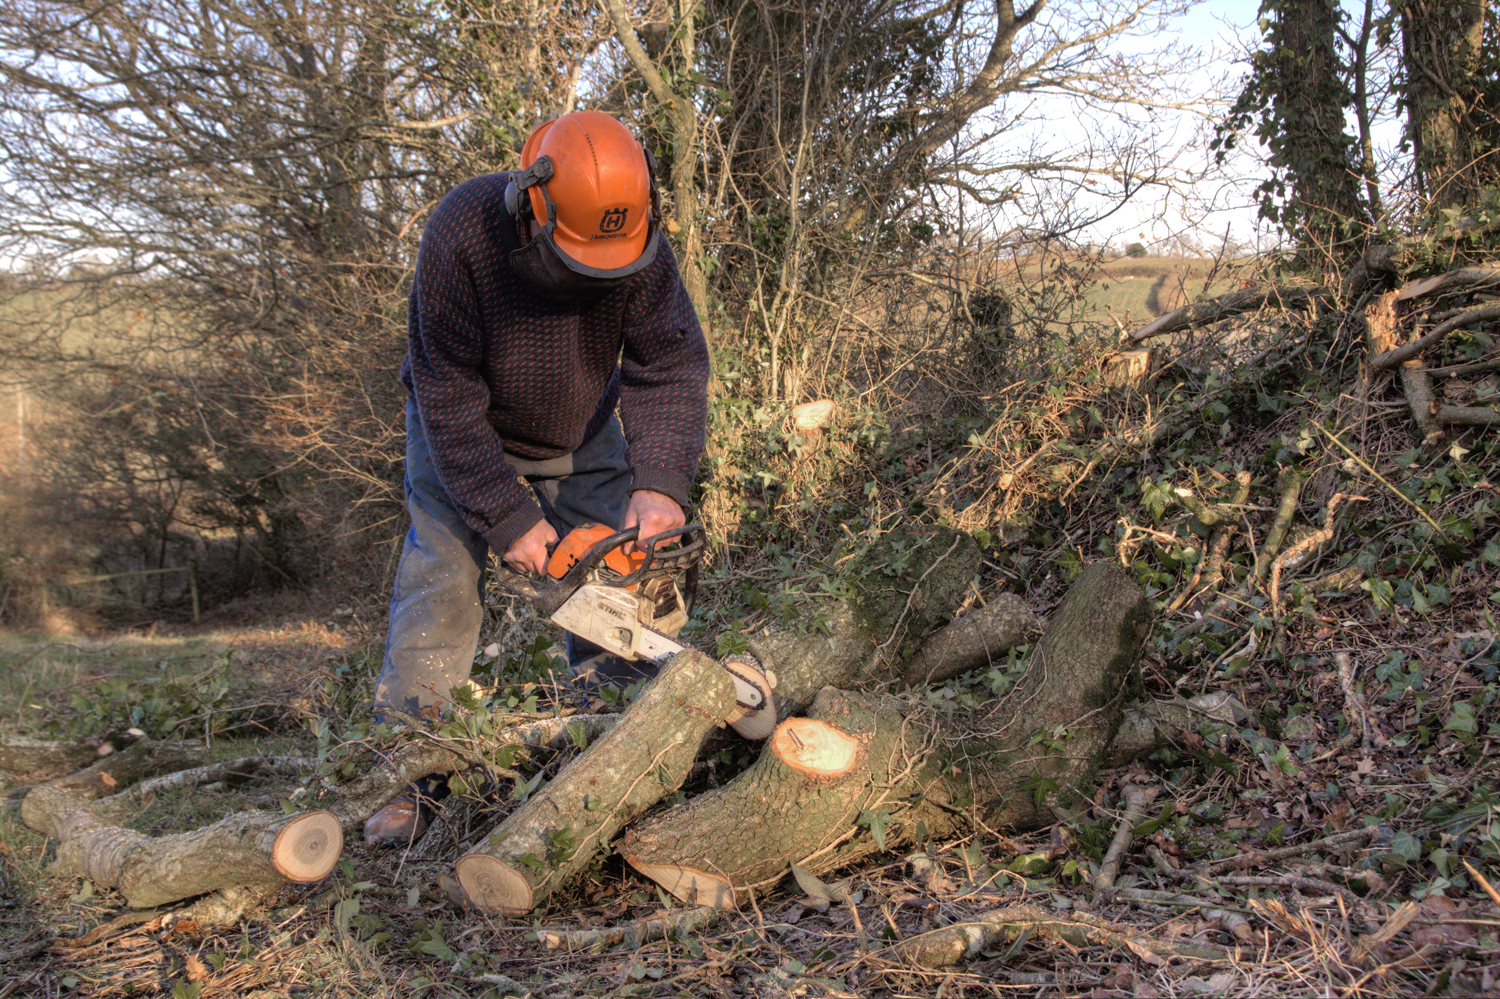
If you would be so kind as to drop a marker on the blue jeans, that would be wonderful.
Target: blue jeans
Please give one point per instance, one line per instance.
(438, 604)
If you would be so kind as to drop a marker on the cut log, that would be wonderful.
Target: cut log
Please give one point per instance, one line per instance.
(645, 755)
(974, 640)
(905, 773)
(250, 849)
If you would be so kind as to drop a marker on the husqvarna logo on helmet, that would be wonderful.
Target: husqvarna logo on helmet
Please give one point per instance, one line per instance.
(613, 220)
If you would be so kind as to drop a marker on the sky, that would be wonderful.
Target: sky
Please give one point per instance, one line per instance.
(1223, 31)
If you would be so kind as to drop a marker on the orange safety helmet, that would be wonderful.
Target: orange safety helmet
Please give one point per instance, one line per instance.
(594, 184)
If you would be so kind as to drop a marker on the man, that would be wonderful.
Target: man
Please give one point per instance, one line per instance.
(542, 300)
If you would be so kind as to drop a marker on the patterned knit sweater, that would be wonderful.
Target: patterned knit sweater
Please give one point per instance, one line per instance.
(496, 368)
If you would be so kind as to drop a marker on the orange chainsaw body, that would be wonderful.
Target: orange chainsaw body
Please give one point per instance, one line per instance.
(577, 544)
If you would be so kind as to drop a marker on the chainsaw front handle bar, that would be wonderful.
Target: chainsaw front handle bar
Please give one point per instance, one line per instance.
(548, 594)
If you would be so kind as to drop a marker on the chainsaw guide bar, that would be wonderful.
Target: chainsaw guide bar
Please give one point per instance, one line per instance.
(596, 594)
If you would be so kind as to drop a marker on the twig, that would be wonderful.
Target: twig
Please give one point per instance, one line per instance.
(1489, 889)
(1281, 853)
(1292, 881)
(1286, 510)
(634, 934)
(1136, 799)
(1212, 566)
(455, 746)
(947, 946)
(1382, 480)
(1354, 704)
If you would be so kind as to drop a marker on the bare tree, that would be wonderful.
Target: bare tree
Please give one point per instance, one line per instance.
(251, 177)
(820, 144)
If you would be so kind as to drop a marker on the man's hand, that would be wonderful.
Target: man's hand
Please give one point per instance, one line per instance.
(529, 553)
(653, 512)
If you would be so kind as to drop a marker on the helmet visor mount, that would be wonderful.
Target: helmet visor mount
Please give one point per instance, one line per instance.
(546, 266)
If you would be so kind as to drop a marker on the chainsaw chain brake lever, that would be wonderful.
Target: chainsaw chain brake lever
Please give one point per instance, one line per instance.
(548, 594)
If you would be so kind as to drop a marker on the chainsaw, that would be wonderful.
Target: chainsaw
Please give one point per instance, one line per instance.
(633, 605)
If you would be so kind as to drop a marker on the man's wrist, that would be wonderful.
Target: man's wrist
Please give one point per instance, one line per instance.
(674, 485)
(503, 536)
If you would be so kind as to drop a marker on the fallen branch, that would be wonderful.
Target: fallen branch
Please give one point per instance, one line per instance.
(1467, 317)
(1136, 799)
(1473, 416)
(972, 641)
(895, 767)
(1344, 838)
(1286, 512)
(1297, 554)
(962, 941)
(1203, 313)
(1212, 566)
(229, 771)
(632, 935)
(1470, 278)
(138, 760)
(1303, 884)
(23, 754)
(1142, 725)
(645, 756)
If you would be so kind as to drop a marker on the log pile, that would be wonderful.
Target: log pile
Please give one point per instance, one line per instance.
(859, 762)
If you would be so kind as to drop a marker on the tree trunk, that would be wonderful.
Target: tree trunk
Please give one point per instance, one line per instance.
(252, 849)
(1440, 50)
(1316, 150)
(905, 772)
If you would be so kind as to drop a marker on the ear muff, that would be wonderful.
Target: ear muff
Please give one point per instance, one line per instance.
(518, 209)
(523, 208)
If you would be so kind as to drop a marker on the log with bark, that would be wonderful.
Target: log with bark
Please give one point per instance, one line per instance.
(256, 850)
(867, 772)
(24, 754)
(645, 755)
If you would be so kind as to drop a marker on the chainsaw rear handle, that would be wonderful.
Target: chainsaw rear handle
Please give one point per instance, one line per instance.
(548, 594)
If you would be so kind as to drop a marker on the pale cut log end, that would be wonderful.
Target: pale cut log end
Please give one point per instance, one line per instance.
(494, 886)
(815, 748)
(753, 723)
(308, 847)
(688, 884)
